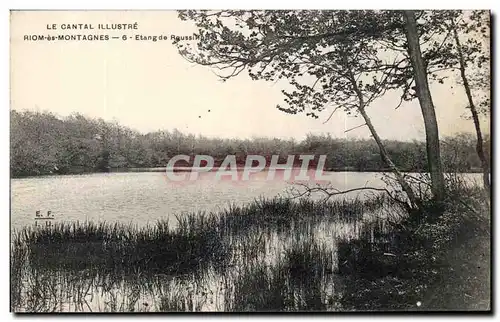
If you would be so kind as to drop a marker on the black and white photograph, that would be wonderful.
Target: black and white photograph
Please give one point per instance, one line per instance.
(250, 161)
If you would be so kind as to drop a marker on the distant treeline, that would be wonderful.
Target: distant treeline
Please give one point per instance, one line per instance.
(42, 143)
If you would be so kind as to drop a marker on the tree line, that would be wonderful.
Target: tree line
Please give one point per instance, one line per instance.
(42, 143)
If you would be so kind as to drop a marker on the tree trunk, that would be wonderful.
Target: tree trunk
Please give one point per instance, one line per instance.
(473, 110)
(385, 156)
(427, 107)
(383, 152)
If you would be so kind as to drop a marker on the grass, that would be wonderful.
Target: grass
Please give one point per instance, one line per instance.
(269, 255)
(297, 282)
(196, 240)
(223, 254)
(122, 248)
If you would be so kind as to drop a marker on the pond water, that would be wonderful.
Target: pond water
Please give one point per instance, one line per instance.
(262, 258)
(143, 198)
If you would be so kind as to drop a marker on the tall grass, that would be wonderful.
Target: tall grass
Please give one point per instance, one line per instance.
(117, 247)
(262, 256)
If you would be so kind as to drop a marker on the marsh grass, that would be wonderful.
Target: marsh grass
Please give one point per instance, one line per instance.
(113, 247)
(263, 256)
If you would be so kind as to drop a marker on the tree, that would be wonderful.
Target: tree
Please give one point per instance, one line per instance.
(475, 56)
(426, 105)
(442, 50)
(42, 143)
(296, 44)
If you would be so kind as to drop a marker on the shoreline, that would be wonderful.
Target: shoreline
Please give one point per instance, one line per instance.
(189, 169)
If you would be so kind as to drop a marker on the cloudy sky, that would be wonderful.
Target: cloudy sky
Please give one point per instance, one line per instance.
(148, 86)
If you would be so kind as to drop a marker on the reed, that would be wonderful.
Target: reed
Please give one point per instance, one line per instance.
(262, 256)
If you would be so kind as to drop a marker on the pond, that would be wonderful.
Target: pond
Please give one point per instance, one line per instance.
(143, 198)
(264, 254)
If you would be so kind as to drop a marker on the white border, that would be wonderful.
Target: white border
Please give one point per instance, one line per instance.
(255, 4)
(187, 4)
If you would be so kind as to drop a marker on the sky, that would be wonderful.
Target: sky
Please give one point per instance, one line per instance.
(148, 86)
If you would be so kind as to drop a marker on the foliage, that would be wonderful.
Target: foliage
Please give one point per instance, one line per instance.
(42, 143)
